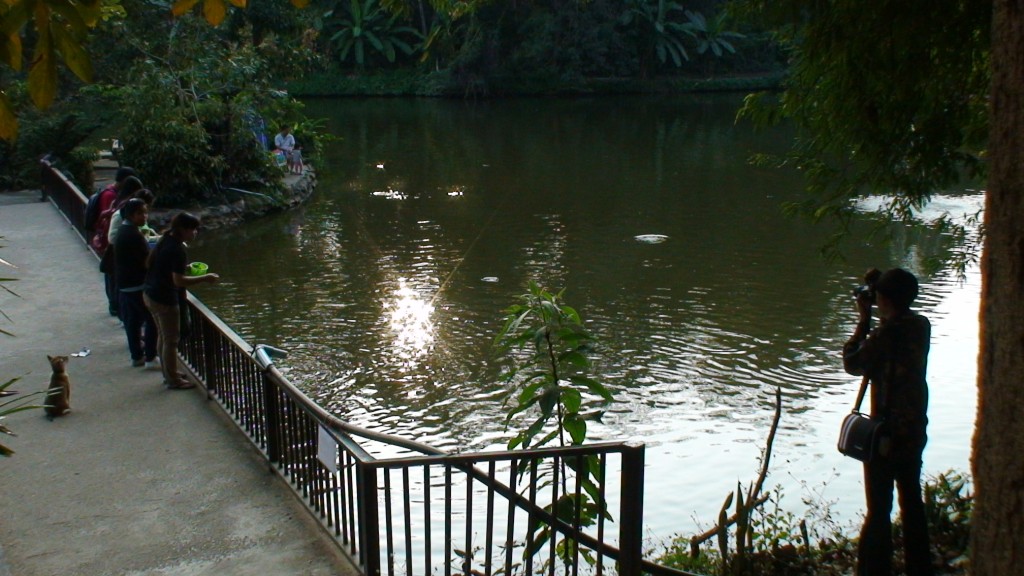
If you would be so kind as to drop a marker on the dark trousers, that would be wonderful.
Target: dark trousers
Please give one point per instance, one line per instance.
(139, 326)
(110, 287)
(874, 555)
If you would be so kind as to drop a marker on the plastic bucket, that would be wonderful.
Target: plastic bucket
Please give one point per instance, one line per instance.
(197, 269)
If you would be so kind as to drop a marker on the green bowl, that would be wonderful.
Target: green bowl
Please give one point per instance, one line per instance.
(197, 269)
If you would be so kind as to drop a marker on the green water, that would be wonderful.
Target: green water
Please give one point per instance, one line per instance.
(431, 216)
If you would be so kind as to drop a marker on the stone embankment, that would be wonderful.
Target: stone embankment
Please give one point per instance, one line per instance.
(244, 206)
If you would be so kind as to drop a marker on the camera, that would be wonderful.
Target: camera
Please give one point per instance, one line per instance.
(867, 290)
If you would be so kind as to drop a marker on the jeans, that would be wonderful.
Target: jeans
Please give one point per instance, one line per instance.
(167, 319)
(874, 555)
(139, 326)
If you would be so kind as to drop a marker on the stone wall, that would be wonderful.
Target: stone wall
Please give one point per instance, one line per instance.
(297, 190)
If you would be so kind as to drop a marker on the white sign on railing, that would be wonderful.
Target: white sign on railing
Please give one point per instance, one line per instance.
(327, 450)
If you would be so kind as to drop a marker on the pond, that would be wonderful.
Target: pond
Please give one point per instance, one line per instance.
(432, 216)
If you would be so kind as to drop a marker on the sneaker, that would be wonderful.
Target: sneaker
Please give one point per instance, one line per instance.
(181, 384)
(153, 364)
(136, 362)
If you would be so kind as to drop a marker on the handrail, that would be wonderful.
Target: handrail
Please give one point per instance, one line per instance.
(69, 200)
(344, 491)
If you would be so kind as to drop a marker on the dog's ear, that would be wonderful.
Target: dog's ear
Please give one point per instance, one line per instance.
(50, 358)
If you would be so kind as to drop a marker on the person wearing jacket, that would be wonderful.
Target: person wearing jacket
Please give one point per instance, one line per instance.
(131, 249)
(894, 357)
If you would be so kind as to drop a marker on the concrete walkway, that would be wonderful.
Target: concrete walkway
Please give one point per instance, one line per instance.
(138, 479)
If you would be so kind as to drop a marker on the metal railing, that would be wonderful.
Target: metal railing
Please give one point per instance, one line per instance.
(69, 200)
(397, 506)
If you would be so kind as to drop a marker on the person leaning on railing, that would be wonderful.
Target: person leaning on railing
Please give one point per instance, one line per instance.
(164, 294)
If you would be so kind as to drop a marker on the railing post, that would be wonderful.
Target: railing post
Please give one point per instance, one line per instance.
(631, 515)
(369, 523)
(273, 422)
(44, 178)
(210, 358)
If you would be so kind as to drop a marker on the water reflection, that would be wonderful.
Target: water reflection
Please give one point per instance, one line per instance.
(389, 303)
(409, 315)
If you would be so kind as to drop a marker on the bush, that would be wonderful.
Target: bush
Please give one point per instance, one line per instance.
(815, 546)
(57, 132)
(193, 122)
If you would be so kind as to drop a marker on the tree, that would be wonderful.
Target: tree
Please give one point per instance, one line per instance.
(548, 345)
(357, 26)
(661, 34)
(906, 97)
(998, 521)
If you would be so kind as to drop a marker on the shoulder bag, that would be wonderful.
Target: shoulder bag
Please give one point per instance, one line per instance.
(860, 437)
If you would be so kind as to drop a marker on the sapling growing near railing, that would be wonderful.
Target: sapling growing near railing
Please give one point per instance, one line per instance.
(553, 395)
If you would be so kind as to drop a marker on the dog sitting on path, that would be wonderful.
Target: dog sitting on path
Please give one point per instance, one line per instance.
(58, 395)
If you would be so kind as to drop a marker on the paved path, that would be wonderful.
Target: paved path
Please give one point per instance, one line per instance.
(137, 480)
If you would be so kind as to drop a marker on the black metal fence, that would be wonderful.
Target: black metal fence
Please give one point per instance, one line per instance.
(397, 506)
(69, 200)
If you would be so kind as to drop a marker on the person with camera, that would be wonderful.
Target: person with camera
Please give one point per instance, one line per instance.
(894, 357)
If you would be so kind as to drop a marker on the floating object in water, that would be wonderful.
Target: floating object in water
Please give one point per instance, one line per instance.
(82, 353)
(380, 166)
(651, 238)
(491, 279)
(390, 194)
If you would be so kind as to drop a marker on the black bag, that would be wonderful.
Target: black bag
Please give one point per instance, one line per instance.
(860, 437)
(107, 261)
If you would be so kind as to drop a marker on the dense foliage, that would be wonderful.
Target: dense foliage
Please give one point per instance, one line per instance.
(195, 103)
(543, 45)
(890, 98)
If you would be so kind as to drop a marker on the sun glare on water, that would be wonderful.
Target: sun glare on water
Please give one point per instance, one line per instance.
(409, 316)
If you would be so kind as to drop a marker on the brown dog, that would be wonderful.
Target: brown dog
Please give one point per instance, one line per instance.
(58, 395)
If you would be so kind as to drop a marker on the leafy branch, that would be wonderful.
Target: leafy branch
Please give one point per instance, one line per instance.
(551, 390)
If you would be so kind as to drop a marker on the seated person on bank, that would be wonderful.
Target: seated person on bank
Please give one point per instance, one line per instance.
(285, 142)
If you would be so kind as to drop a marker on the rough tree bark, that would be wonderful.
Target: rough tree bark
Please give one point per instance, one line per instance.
(998, 462)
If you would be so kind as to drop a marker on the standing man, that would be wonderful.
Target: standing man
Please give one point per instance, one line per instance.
(894, 356)
(285, 142)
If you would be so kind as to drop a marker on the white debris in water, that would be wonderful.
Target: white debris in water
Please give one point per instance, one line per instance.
(390, 194)
(651, 238)
(489, 279)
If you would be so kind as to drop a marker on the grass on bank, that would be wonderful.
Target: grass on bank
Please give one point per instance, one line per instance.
(784, 545)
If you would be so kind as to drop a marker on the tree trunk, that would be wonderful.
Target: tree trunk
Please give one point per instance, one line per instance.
(997, 537)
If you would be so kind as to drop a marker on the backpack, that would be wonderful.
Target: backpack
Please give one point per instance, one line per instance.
(92, 212)
(100, 241)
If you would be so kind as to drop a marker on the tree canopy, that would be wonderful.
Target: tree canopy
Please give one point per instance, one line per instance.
(887, 96)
